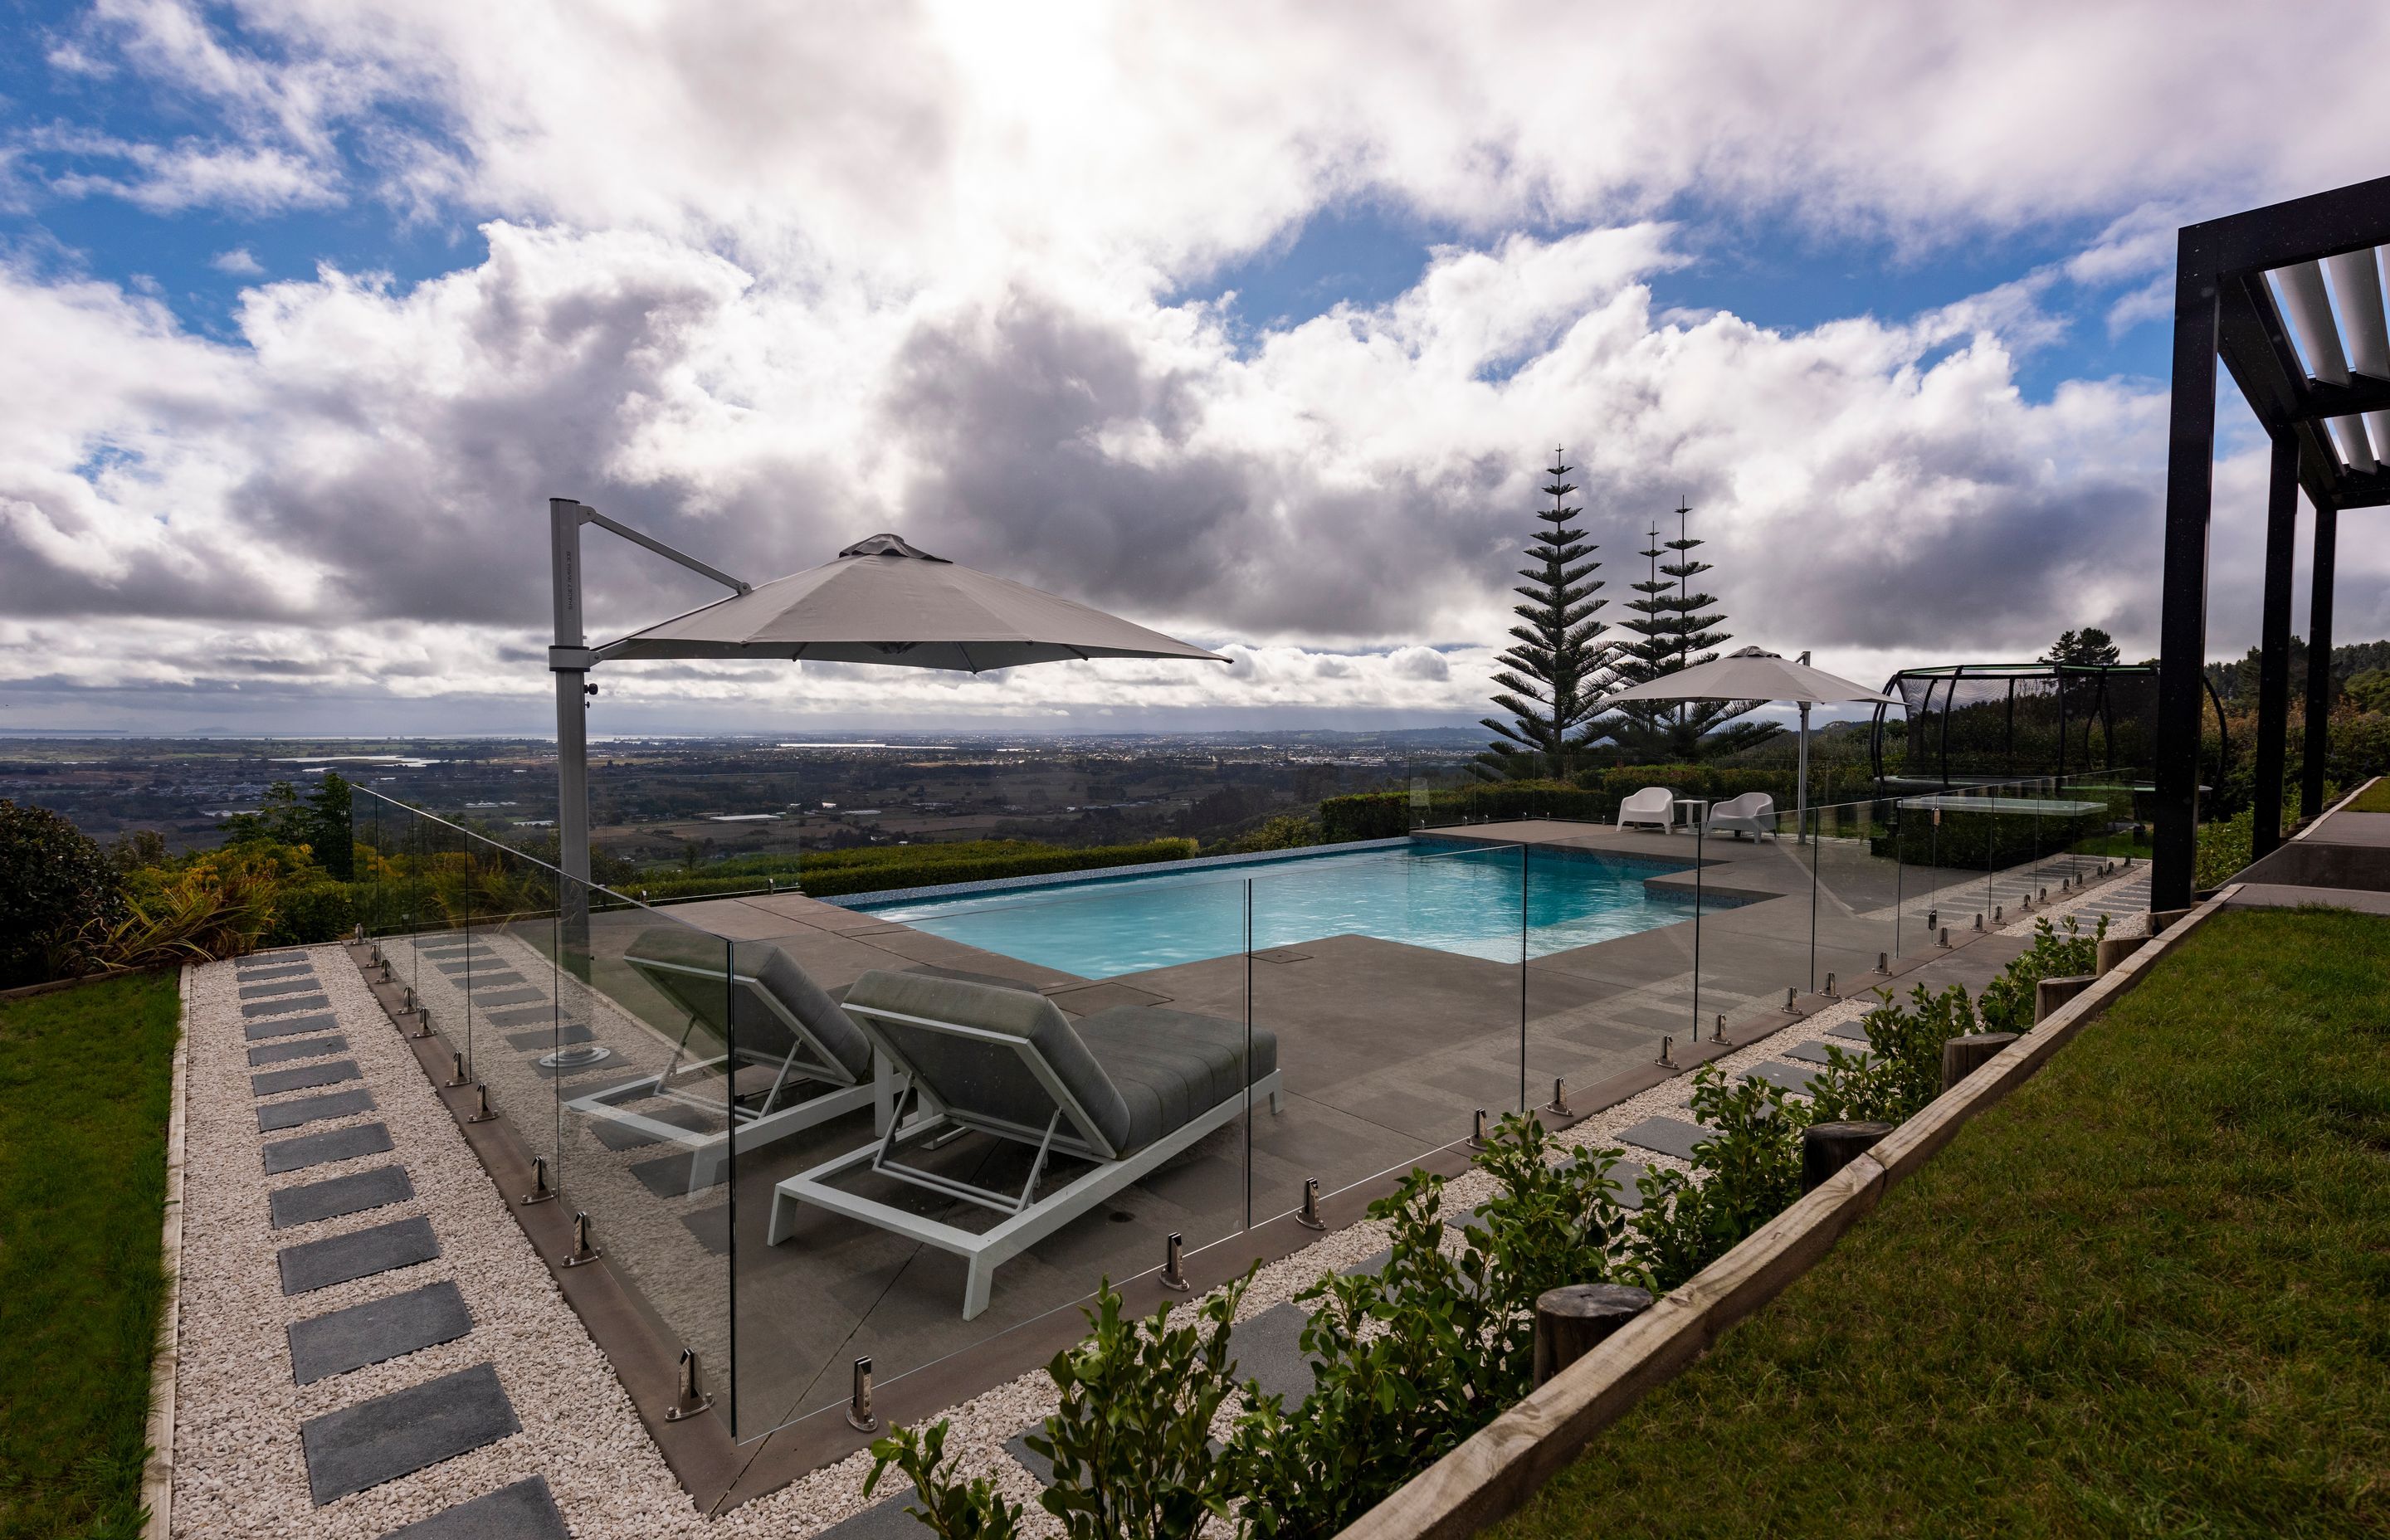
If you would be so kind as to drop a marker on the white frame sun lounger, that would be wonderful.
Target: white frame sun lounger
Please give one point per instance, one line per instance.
(782, 1020)
(987, 1059)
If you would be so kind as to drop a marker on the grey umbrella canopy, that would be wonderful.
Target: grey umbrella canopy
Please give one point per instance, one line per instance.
(881, 601)
(884, 601)
(1754, 674)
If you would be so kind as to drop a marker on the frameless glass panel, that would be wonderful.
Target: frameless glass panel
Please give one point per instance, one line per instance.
(641, 1071)
(1388, 980)
(1065, 1070)
(1858, 878)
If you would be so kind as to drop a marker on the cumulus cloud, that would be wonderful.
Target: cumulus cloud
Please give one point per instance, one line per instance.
(761, 300)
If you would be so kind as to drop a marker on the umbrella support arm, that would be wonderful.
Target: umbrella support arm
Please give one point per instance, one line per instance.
(571, 659)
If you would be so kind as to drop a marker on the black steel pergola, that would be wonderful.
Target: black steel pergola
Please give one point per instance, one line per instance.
(2313, 408)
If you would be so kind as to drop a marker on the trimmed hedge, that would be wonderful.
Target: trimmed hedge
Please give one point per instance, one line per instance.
(1981, 841)
(1383, 815)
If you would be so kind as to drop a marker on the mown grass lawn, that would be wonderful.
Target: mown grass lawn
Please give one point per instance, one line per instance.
(2375, 798)
(2148, 1294)
(85, 1086)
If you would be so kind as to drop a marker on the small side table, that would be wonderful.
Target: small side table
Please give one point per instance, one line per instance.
(1691, 811)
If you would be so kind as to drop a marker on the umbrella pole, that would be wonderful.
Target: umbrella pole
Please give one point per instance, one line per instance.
(569, 661)
(1803, 803)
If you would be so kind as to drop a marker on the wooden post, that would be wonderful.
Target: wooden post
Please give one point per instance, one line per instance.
(1963, 1056)
(1572, 1321)
(1827, 1147)
(2116, 949)
(2050, 994)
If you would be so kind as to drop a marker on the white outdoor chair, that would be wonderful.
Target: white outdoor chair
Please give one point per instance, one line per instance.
(1754, 813)
(1653, 804)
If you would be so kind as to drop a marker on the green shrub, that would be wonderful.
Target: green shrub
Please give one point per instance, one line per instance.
(1983, 842)
(957, 1509)
(2007, 1003)
(1131, 1443)
(54, 881)
(1901, 1070)
(1751, 1165)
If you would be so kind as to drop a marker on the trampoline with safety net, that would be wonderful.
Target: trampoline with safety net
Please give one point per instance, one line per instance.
(1981, 724)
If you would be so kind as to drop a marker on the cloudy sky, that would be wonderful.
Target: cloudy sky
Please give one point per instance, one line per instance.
(1254, 322)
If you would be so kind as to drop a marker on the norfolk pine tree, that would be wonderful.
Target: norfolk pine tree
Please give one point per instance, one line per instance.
(1553, 677)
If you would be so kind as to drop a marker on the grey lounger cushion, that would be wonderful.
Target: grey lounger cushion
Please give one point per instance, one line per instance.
(662, 950)
(1172, 1066)
(1139, 1073)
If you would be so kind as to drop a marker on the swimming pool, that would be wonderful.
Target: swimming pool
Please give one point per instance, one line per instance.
(1453, 897)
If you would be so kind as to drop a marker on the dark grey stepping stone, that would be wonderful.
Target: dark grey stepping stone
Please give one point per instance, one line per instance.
(1791, 1077)
(274, 1081)
(300, 984)
(617, 1135)
(335, 1144)
(1668, 1135)
(270, 969)
(506, 998)
(462, 964)
(712, 1227)
(1623, 1173)
(1851, 1030)
(297, 1047)
(1268, 1348)
(1814, 1053)
(268, 959)
(526, 1016)
(524, 1511)
(1037, 1464)
(278, 974)
(541, 1042)
(377, 1331)
(280, 1007)
(306, 1110)
(668, 1177)
(497, 980)
(1374, 1262)
(334, 1196)
(884, 1520)
(292, 1028)
(359, 1255)
(398, 1434)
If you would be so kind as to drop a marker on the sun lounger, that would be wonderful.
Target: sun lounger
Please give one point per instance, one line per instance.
(1754, 813)
(1653, 804)
(1124, 1089)
(747, 1005)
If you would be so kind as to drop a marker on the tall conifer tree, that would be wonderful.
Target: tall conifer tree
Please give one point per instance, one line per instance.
(1553, 676)
(1674, 633)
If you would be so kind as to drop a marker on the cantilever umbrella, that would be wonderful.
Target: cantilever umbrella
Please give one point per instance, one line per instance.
(881, 601)
(1754, 674)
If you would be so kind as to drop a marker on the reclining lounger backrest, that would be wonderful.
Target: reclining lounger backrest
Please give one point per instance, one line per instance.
(984, 1071)
(773, 1002)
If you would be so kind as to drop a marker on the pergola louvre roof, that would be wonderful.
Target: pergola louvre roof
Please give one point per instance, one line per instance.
(2301, 302)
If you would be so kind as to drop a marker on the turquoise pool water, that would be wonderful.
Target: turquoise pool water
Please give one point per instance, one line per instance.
(1454, 898)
